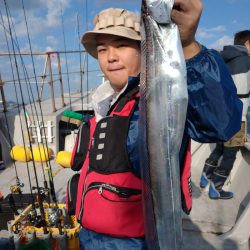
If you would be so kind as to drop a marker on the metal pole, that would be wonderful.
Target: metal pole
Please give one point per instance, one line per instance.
(51, 85)
(43, 78)
(60, 78)
(2, 94)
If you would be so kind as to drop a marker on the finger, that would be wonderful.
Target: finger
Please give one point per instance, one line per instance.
(180, 5)
(177, 16)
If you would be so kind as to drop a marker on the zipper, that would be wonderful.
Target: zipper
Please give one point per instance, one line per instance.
(83, 195)
(79, 139)
(120, 191)
(108, 187)
(69, 189)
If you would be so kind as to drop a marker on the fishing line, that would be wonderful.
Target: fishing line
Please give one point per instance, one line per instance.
(64, 44)
(21, 93)
(87, 56)
(80, 58)
(51, 181)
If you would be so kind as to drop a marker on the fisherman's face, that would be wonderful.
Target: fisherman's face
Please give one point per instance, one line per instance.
(247, 44)
(118, 58)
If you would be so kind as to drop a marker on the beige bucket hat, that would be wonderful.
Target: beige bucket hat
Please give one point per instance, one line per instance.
(119, 22)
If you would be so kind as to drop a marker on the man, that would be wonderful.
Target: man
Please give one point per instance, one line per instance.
(108, 203)
(238, 61)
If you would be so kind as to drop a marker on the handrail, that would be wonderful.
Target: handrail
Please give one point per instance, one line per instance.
(50, 74)
(41, 53)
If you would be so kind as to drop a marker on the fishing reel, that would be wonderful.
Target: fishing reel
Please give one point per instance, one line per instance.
(55, 215)
(32, 216)
(44, 192)
(35, 218)
(16, 189)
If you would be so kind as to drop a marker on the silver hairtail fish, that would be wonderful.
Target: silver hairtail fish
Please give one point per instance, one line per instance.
(163, 105)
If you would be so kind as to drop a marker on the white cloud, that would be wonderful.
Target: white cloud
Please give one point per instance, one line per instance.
(54, 11)
(34, 47)
(225, 40)
(210, 32)
(52, 40)
(41, 15)
(48, 48)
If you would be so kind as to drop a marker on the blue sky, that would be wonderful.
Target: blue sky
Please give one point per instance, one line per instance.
(219, 21)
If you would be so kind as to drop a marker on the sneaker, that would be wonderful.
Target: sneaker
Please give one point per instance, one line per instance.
(204, 180)
(219, 194)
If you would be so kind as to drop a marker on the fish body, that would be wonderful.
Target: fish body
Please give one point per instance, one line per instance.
(163, 105)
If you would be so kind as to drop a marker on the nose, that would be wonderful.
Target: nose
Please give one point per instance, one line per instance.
(112, 54)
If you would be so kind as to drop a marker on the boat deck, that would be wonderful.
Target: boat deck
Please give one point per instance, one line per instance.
(219, 224)
(209, 219)
(60, 176)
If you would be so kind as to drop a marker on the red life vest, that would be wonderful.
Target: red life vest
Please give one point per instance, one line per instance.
(109, 196)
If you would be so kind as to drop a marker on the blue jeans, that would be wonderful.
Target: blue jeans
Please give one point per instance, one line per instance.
(228, 155)
(90, 240)
(7, 244)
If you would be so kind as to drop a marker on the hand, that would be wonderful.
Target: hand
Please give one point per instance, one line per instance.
(186, 14)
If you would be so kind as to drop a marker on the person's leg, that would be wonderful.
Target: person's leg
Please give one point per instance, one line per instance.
(211, 164)
(7, 244)
(221, 174)
(90, 240)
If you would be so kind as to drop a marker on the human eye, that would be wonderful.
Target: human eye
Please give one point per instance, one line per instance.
(101, 49)
(122, 45)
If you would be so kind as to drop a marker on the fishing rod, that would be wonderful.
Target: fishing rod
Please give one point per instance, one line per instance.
(43, 224)
(64, 45)
(8, 128)
(26, 113)
(87, 56)
(82, 65)
(80, 58)
(19, 185)
(51, 181)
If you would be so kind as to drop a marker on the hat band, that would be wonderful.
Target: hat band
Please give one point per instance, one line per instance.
(117, 21)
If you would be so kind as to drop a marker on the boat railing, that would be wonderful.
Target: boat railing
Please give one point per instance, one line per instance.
(3, 101)
(247, 144)
(55, 69)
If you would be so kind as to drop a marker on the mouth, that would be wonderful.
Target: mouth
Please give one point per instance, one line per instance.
(115, 69)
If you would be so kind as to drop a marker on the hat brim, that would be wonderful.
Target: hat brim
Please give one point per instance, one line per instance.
(89, 38)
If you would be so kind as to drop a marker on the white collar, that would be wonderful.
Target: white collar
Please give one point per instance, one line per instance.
(103, 97)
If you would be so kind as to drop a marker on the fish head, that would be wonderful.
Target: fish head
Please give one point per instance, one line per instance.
(159, 10)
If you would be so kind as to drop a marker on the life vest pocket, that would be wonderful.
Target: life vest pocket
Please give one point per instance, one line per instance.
(116, 193)
(113, 210)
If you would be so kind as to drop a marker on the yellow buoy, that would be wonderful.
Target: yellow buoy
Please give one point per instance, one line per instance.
(20, 153)
(41, 153)
(63, 158)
